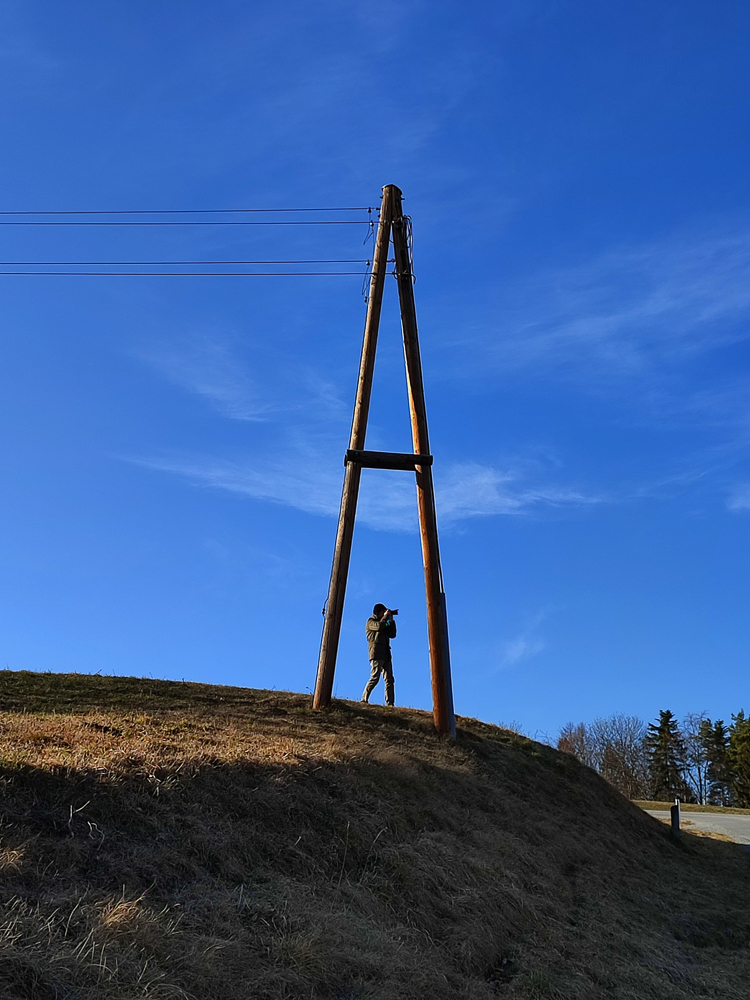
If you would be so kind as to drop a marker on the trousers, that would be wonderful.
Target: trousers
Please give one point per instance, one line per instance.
(378, 667)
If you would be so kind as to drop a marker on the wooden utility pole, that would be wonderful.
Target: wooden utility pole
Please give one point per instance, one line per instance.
(391, 218)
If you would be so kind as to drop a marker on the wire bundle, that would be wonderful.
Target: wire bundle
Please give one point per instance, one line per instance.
(83, 218)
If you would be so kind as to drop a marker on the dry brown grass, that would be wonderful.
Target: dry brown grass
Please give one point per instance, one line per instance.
(690, 807)
(166, 840)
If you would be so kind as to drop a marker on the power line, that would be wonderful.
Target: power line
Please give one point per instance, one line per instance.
(219, 222)
(189, 211)
(196, 274)
(164, 263)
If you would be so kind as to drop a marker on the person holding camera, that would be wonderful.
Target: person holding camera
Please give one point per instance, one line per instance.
(381, 628)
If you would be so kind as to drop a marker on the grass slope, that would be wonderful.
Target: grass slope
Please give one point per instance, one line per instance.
(170, 840)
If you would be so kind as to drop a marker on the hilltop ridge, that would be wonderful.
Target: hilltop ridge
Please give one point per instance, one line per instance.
(163, 839)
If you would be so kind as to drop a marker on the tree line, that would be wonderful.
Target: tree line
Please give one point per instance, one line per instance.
(697, 760)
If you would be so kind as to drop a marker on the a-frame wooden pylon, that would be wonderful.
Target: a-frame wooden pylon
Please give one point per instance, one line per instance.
(392, 225)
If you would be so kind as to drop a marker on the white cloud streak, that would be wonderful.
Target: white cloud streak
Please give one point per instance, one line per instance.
(473, 490)
(525, 645)
(521, 648)
(206, 367)
(388, 503)
(209, 368)
(739, 499)
(631, 312)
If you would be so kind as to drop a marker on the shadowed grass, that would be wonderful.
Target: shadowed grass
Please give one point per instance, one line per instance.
(167, 840)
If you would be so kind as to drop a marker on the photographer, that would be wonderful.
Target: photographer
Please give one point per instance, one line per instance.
(380, 628)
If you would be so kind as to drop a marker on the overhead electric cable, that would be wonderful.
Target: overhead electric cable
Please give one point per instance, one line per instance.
(187, 211)
(220, 222)
(159, 263)
(196, 274)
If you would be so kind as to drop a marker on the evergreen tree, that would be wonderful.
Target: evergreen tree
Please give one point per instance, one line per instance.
(714, 737)
(738, 759)
(666, 759)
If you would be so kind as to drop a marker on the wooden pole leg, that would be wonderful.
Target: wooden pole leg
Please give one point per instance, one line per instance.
(442, 693)
(337, 588)
(437, 622)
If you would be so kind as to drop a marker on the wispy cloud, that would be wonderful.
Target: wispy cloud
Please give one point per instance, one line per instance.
(473, 490)
(525, 645)
(207, 367)
(739, 499)
(314, 486)
(631, 311)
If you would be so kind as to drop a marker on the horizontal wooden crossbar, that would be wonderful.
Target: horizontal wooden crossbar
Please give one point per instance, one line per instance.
(386, 459)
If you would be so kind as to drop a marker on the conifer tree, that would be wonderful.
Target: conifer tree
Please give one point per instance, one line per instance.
(738, 758)
(666, 758)
(714, 737)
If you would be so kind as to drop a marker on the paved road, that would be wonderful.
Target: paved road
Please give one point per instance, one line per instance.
(730, 824)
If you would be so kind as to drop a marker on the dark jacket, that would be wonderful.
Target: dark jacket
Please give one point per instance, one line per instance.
(379, 632)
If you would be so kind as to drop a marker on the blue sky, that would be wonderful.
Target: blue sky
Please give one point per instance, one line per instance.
(172, 447)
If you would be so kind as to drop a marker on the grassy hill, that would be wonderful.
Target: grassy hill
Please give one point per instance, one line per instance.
(166, 840)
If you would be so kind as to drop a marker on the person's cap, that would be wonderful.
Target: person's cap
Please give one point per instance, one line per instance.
(379, 609)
